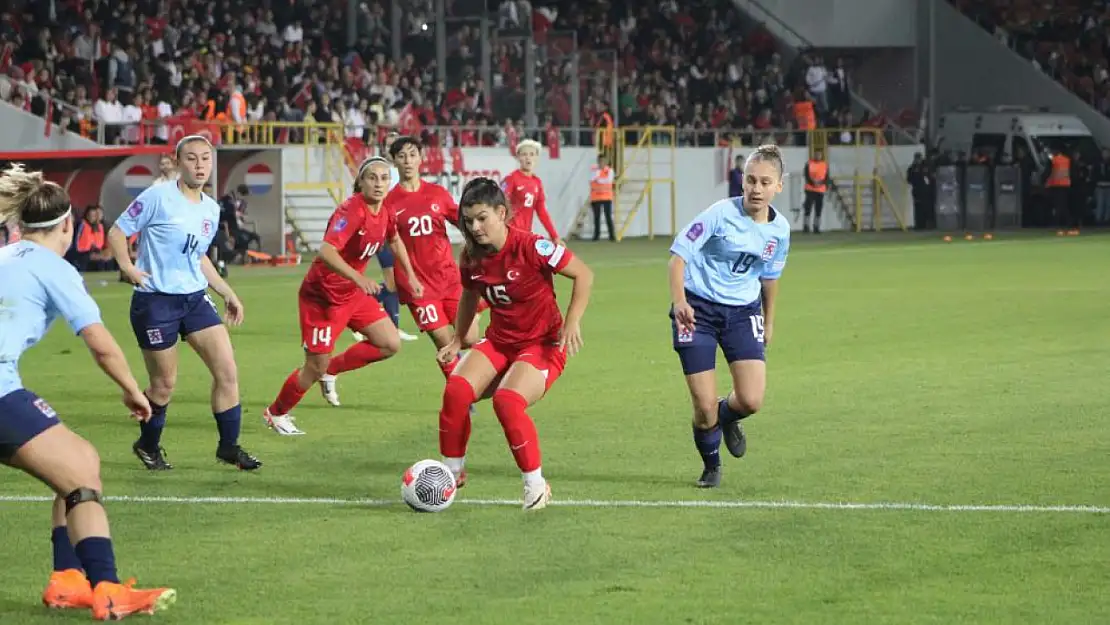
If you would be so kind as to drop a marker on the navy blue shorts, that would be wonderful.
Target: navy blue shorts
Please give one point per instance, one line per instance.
(23, 416)
(737, 330)
(158, 319)
(385, 258)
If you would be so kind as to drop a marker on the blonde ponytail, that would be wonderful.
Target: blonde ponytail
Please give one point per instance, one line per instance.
(27, 198)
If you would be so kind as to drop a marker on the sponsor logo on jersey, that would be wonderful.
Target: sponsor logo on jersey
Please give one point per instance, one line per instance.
(545, 247)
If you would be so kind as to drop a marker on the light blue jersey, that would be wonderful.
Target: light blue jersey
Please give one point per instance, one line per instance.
(38, 286)
(727, 253)
(174, 236)
(394, 177)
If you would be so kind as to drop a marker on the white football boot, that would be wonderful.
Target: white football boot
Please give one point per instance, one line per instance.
(329, 390)
(282, 424)
(536, 496)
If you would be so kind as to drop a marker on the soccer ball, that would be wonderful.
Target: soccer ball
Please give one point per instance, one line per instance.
(428, 486)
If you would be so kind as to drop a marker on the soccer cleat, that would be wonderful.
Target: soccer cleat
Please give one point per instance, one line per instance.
(114, 602)
(710, 478)
(536, 497)
(328, 390)
(735, 440)
(405, 336)
(236, 455)
(152, 459)
(68, 589)
(460, 479)
(282, 424)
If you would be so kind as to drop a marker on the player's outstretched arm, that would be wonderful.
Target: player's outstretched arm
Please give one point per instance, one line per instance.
(583, 276)
(468, 309)
(235, 310)
(109, 357)
(401, 253)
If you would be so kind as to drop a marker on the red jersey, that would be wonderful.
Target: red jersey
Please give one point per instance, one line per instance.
(526, 197)
(518, 283)
(422, 217)
(358, 234)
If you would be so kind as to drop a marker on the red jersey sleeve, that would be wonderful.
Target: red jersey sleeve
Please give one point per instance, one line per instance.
(547, 256)
(390, 225)
(341, 226)
(452, 209)
(464, 272)
(541, 210)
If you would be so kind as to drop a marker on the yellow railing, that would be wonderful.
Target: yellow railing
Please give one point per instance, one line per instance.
(638, 171)
(876, 177)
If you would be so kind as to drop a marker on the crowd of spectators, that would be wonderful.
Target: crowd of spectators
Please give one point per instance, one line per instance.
(85, 63)
(1068, 40)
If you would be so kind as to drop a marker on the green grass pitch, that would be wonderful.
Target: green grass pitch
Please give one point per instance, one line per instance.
(904, 370)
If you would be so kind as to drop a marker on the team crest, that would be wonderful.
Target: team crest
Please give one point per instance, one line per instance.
(154, 336)
(545, 247)
(206, 227)
(135, 209)
(340, 224)
(769, 249)
(685, 335)
(695, 231)
(512, 274)
(435, 208)
(45, 408)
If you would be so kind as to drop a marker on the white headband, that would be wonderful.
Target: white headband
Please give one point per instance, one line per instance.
(189, 139)
(368, 162)
(53, 222)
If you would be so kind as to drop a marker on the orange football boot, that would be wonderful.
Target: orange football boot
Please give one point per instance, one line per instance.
(68, 589)
(113, 602)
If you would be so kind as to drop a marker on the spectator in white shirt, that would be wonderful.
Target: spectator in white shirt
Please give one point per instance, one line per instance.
(294, 33)
(132, 119)
(108, 114)
(817, 84)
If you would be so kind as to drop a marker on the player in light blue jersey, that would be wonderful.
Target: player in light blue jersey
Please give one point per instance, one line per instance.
(176, 223)
(724, 273)
(37, 287)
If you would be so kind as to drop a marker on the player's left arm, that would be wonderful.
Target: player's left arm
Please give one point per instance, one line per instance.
(769, 287)
(545, 217)
(220, 286)
(574, 268)
(402, 255)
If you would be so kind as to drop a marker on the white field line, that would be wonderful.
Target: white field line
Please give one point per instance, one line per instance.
(602, 503)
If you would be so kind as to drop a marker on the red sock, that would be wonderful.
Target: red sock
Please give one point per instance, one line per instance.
(449, 367)
(520, 431)
(454, 417)
(357, 356)
(290, 395)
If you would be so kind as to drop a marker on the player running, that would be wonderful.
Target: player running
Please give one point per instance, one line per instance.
(38, 287)
(423, 210)
(388, 293)
(527, 342)
(525, 193)
(724, 273)
(177, 223)
(335, 294)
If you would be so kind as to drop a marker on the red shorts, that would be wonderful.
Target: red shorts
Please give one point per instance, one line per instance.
(322, 323)
(548, 358)
(433, 314)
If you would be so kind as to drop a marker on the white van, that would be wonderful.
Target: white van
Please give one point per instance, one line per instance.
(1010, 130)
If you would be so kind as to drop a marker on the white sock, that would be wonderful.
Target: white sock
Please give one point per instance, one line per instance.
(455, 464)
(327, 378)
(533, 478)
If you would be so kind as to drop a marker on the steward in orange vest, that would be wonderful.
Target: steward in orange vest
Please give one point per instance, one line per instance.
(91, 254)
(817, 183)
(1058, 186)
(601, 196)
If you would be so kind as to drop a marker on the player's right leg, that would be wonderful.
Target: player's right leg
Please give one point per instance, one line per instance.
(697, 351)
(470, 379)
(321, 324)
(156, 320)
(71, 467)
(744, 350)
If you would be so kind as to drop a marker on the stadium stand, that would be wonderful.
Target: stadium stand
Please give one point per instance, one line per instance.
(680, 64)
(1067, 40)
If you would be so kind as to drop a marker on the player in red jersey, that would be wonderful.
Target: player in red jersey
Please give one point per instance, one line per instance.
(524, 189)
(335, 294)
(423, 210)
(528, 340)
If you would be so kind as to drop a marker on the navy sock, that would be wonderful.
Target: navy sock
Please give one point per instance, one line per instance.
(65, 557)
(98, 559)
(150, 436)
(228, 423)
(726, 415)
(392, 304)
(708, 443)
